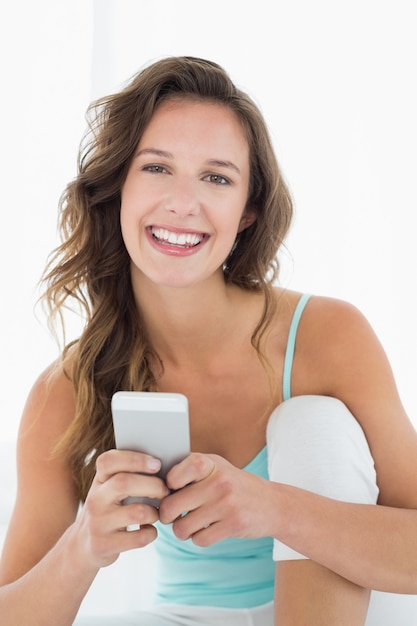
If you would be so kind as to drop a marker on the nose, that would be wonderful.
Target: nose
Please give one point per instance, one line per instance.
(182, 199)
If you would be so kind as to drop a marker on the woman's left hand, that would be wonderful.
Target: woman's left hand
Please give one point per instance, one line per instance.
(220, 501)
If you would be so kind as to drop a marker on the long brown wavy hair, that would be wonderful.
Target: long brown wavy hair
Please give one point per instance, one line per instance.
(92, 268)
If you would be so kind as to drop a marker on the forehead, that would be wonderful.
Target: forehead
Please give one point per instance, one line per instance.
(204, 124)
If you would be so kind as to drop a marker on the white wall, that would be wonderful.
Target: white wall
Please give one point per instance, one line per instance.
(335, 80)
(45, 57)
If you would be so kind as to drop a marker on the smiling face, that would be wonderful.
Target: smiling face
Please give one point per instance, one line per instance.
(184, 197)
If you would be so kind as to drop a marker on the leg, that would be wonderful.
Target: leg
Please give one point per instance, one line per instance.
(315, 443)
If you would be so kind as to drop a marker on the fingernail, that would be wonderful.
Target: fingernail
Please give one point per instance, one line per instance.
(132, 527)
(154, 464)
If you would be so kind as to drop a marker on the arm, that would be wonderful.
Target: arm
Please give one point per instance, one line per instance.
(46, 506)
(51, 554)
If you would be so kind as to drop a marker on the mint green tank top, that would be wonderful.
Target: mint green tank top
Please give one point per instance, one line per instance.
(234, 573)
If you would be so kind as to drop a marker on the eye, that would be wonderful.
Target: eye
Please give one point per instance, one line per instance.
(217, 179)
(154, 169)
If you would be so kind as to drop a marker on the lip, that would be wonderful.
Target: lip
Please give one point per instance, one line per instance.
(176, 229)
(172, 249)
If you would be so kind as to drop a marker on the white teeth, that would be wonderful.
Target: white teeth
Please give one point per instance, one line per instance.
(177, 239)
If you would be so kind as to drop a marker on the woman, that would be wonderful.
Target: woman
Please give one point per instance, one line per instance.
(170, 236)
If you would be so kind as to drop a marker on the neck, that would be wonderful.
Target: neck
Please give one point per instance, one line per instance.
(188, 325)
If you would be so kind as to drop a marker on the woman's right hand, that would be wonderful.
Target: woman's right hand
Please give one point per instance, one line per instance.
(103, 523)
(48, 538)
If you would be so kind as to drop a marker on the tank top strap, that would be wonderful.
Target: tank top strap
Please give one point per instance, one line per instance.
(289, 352)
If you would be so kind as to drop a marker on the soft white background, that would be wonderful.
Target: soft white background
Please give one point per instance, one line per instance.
(336, 82)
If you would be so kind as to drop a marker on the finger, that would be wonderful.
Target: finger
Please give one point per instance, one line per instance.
(194, 468)
(124, 485)
(118, 518)
(187, 526)
(123, 540)
(114, 461)
(136, 514)
(107, 534)
(137, 539)
(191, 498)
(196, 473)
(124, 516)
(209, 535)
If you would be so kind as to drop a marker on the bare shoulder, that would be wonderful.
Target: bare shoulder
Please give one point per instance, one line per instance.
(322, 318)
(46, 502)
(50, 405)
(322, 311)
(337, 337)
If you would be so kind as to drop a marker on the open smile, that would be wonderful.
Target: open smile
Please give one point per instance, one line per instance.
(182, 240)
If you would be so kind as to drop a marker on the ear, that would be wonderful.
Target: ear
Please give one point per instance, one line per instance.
(248, 218)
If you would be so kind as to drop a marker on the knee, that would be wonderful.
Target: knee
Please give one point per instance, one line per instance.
(315, 443)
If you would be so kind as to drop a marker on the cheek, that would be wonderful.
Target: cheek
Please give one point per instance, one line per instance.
(228, 236)
(235, 217)
(129, 207)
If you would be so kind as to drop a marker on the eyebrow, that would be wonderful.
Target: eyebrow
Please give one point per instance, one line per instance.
(220, 163)
(168, 155)
(156, 152)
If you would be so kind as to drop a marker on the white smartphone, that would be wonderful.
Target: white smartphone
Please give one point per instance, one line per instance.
(154, 423)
